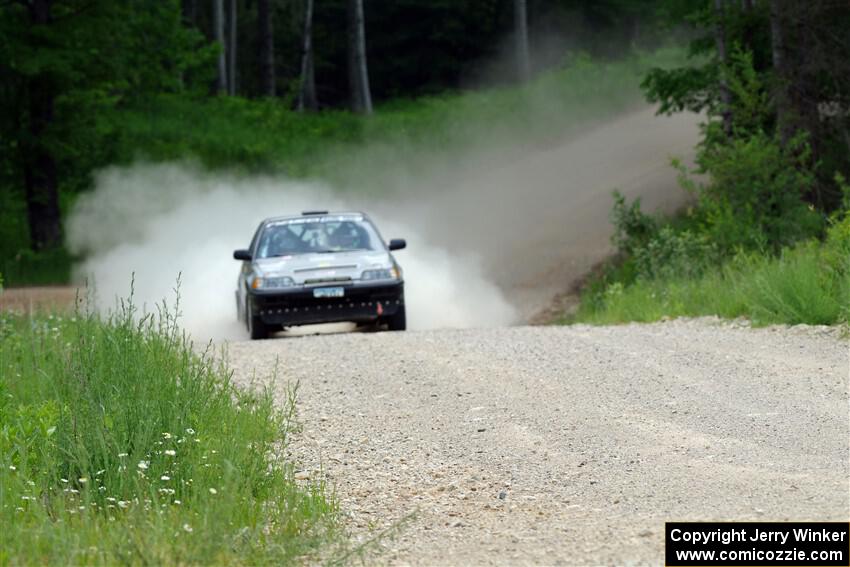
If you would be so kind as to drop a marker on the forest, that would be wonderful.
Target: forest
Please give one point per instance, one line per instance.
(89, 83)
(80, 76)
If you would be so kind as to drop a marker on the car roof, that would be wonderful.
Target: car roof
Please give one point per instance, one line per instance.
(307, 216)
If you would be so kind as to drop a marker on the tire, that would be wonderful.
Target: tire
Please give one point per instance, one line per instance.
(397, 322)
(256, 328)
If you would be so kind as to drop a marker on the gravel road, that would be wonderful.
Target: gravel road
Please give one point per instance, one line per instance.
(567, 445)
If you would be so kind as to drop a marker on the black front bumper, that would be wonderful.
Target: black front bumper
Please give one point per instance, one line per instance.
(362, 303)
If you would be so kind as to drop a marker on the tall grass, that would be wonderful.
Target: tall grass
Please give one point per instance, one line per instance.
(119, 444)
(807, 284)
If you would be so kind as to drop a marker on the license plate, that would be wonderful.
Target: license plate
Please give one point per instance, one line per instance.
(329, 292)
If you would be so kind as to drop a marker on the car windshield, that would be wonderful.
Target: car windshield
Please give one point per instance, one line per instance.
(316, 236)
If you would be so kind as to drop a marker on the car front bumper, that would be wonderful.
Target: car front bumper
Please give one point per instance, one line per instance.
(362, 303)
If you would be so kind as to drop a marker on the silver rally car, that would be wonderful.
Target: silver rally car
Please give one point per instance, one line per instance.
(319, 267)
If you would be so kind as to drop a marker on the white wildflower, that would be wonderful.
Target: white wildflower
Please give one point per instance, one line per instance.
(123, 503)
(170, 452)
(213, 491)
(83, 479)
(13, 468)
(165, 477)
(190, 431)
(187, 528)
(122, 455)
(143, 465)
(166, 435)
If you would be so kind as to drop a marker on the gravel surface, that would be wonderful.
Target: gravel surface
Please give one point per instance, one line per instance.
(567, 445)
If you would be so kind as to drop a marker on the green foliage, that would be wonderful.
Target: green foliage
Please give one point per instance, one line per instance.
(796, 287)
(753, 107)
(672, 253)
(26, 267)
(808, 283)
(733, 253)
(811, 72)
(754, 196)
(633, 229)
(64, 64)
(120, 444)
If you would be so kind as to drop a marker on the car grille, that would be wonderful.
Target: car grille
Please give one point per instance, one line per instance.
(340, 279)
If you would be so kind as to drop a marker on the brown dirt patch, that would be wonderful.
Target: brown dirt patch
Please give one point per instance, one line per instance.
(34, 299)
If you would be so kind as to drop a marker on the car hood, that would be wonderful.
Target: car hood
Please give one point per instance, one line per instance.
(321, 268)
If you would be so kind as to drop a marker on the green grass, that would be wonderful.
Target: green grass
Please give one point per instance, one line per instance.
(807, 284)
(29, 268)
(120, 445)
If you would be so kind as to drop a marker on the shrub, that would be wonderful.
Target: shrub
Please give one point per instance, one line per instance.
(671, 253)
(754, 199)
(633, 228)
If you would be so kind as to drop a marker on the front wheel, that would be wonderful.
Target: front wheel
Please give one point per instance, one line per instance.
(397, 322)
(256, 328)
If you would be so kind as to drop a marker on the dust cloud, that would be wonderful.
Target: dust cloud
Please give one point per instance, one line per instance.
(493, 236)
(153, 223)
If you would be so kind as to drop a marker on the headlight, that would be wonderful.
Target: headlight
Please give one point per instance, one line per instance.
(272, 283)
(387, 274)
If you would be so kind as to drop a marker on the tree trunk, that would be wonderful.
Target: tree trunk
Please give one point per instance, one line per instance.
(231, 49)
(40, 180)
(218, 24)
(777, 44)
(265, 32)
(358, 71)
(190, 12)
(307, 99)
(522, 51)
(720, 40)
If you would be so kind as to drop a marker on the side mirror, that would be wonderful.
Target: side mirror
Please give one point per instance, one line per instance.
(244, 255)
(398, 244)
